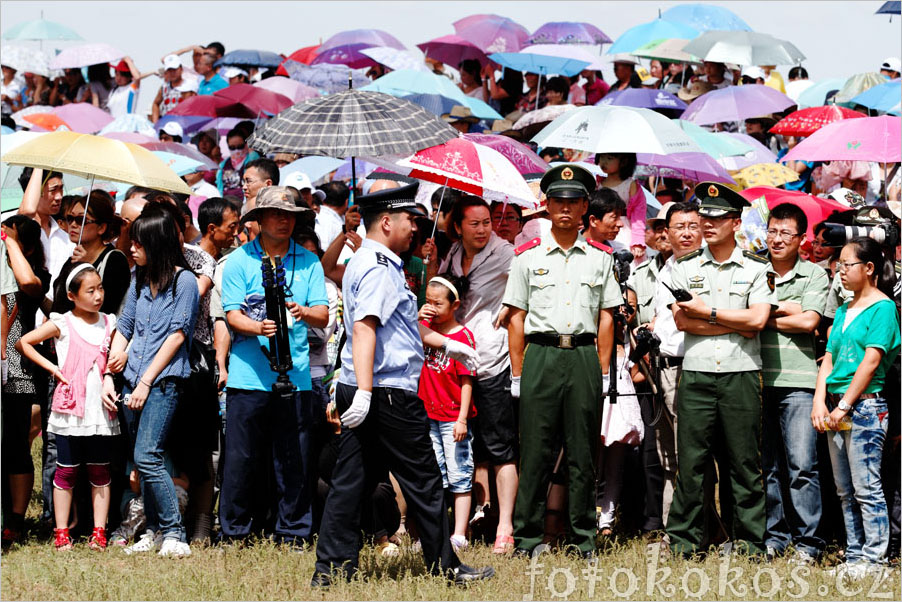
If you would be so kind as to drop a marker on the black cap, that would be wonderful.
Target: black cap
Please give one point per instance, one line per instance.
(568, 182)
(392, 199)
(717, 200)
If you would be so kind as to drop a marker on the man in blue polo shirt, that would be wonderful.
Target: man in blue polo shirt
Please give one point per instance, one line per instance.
(257, 417)
(210, 80)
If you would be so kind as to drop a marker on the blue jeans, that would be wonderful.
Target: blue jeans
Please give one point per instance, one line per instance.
(856, 456)
(455, 458)
(789, 459)
(148, 429)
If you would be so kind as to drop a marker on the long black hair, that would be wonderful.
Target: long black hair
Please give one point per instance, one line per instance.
(870, 251)
(28, 232)
(157, 230)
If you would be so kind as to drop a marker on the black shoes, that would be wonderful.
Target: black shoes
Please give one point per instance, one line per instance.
(463, 574)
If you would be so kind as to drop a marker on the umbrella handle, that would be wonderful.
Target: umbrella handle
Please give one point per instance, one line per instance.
(435, 217)
(85, 216)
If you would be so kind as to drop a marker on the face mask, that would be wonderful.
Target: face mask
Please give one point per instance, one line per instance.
(238, 157)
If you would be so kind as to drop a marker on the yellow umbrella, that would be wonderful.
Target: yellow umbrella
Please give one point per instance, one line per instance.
(764, 174)
(94, 156)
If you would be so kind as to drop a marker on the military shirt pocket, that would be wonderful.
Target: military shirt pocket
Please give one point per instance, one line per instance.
(590, 293)
(739, 295)
(541, 291)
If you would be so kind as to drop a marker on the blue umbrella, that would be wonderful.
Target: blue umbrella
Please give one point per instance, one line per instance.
(643, 98)
(180, 164)
(539, 63)
(40, 29)
(250, 58)
(816, 95)
(893, 7)
(315, 168)
(433, 92)
(705, 17)
(885, 97)
(6, 130)
(659, 29)
(439, 105)
(189, 123)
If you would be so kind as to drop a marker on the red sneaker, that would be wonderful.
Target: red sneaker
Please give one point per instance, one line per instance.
(98, 539)
(62, 541)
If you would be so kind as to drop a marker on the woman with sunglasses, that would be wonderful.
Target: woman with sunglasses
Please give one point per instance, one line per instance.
(231, 170)
(93, 232)
(849, 401)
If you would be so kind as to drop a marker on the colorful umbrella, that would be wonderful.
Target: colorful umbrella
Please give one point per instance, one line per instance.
(83, 117)
(326, 77)
(452, 49)
(19, 116)
(212, 106)
(570, 51)
(129, 122)
(40, 29)
(302, 55)
(440, 105)
(616, 130)
(885, 97)
(368, 37)
(521, 156)
(407, 84)
(189, 123)
(816, 209)
(258, 100)
(181, 149)
(667, 50)
(697, 167)
(180, 164)
(736, 103)
(757, 153)
(765, 174)
(564, 32)
(543, 115)
(807, 121)
(744, 48)
(643, 97)
(316, 168)
(705, 17)
(349, 54)
(250, 58)
(395, 59)
(492, 33)
(659, 29)
(85, 55)
(25, 60)
(296, 91)
(867, 139)
(538, 63)
(816, 94)
(47, 122)
(857, 84)
(716, 145)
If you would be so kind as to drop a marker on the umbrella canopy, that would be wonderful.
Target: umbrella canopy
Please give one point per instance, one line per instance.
(368, 37)
(616, 130)
(180, 164)
(396, 60)
(40, 29)
(85, 55)
(19, 116)
(816, 209)
(705, 17)
(543, 115)
(659, 29)
(521, 156)
(795, 88)
(492, 33)
(538, 63)
(349, 54)
(83, 117)
(643, 97)
(48, 122)
(857, 84)
(565, 32)
(316, 168)
(891, 7)
(867, 139)
(352, 123)
(570, 51)
(885, 97)
(697, 167)
(807, 121)
(325, 77)
(716, 145)
(744, 48)
(86, 156)
(296, 91)
(302, 55)
(440, 105)
(465, 165)
(452, 49)
(181, 149)
(189, 123)
(129, 122)
(757, 153)
(212, 106)
(736, 103)
(133, 137)
(25, 60)
(816, 94)
(258, 100)
(423, 85)
(667, 50)
(765, 174)
(250, 58)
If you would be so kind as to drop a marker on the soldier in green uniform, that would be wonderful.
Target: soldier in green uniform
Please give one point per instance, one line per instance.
(720, 388)
(561, 292)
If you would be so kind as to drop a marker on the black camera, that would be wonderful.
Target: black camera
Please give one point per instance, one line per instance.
(646, 342)
(622, 261)
(876, 223)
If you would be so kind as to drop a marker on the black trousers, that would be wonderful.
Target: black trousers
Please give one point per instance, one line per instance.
(394, 437)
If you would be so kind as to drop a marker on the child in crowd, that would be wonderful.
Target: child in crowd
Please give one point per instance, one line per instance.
(446, 388)
(134, 519)
(82, 422)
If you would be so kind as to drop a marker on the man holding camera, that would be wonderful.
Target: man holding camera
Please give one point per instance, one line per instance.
(561, 292)
(731, 295)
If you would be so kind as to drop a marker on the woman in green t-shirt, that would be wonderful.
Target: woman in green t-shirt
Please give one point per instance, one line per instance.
(849, 401)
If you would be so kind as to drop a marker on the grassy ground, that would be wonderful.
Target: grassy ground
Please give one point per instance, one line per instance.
(33, 570)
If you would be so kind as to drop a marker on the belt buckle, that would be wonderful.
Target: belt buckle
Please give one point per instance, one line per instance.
(566, 341)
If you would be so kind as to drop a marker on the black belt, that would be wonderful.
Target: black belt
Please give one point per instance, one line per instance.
(561, 341)
(671, 362)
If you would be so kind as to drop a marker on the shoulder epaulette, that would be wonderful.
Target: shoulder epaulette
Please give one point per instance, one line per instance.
(535, 242)
(695, 253)
(600, 246)
(758, 258)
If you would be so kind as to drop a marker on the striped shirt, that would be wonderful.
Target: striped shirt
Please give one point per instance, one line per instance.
(788, 358)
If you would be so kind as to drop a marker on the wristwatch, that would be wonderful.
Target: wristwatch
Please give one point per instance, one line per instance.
(712, 319)
(842, 405)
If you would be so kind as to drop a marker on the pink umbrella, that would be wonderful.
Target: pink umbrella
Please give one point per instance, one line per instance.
(258, 100)
(492, 33)
(178, 148)
(84, 55)
(698, 167)
(132, 137)
(452, 49)
(83, 117)
(296, 91)
(522, 157)
(736, 103)
(866, 139)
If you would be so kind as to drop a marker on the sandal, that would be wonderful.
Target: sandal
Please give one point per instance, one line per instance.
(98, 539)
(504, 544)
(62, 541)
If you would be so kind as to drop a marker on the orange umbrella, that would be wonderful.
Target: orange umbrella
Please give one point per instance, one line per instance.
(302, 55)
(48, 122)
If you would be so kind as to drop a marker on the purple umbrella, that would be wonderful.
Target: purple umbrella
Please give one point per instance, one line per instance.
(758, 154)
(697, 167)
(523, 158)
(492, 33)
(562, 32)
(736, 103)
(644, 98)
(83, 117)
(452, 49)
(368, 37)
(347, 54)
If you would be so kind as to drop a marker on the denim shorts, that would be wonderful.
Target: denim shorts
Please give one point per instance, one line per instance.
(455, 459)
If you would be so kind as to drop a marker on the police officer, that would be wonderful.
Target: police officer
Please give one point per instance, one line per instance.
(384, 423)
(720, 388)
(561, 292)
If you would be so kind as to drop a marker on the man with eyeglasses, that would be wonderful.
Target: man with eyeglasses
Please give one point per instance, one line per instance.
(789, 450)
(732, 292)
(507, 220)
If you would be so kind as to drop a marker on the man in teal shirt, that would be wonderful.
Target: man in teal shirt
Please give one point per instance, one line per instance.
(210, 80)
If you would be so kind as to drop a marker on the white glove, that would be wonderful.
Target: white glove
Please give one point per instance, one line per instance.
(360, 407)
(515, 386)
(5, 369)
(465, 354)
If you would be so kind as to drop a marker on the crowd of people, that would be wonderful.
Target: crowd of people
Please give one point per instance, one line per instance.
(531, 377)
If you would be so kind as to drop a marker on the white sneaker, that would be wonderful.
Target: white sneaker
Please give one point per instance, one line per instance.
(147, 543)
(174, 548)
(854, 571)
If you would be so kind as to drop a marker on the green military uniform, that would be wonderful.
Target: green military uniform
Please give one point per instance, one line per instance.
(720, 388)
(644, 281)
(563, 292)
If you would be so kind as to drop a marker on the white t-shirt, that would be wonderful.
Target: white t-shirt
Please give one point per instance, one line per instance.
(123, 100)
(57, 249)
(96, 420)
(329, 225)
(672, 338)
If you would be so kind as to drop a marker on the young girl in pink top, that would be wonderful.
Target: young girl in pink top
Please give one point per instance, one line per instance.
(81, 421)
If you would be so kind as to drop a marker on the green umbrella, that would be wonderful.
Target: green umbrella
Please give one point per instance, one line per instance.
(716, 145)
(40, 29)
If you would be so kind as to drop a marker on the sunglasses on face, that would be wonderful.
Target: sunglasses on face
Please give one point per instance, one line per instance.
(76, 220)
(235, 148)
